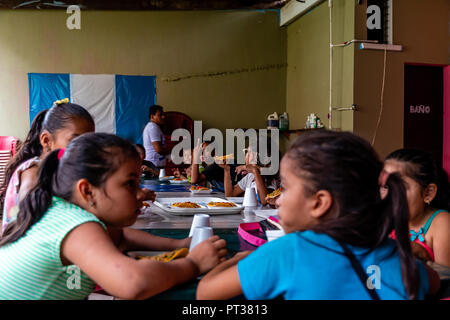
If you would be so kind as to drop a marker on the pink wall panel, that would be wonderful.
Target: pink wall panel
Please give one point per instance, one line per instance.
(446, 144)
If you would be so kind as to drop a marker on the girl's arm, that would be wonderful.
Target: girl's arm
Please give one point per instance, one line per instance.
(196, 177)
(441, 239)
(28, 180)
(433, 279)
(222, 282)
(89, 247)
(129, 239)
(230, 191)
(262, 190)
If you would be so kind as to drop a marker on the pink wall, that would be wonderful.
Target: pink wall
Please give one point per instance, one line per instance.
(446, 145)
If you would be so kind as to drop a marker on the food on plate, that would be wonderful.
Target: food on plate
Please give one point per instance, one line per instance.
(199, 188)
(178, 179)
(186, 204)
(223, 158)
(145, 204)
(167, 256)
(221, 204)
(274, 194)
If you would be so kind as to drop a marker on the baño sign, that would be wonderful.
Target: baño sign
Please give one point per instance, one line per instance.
(423, 109)
(420, 109)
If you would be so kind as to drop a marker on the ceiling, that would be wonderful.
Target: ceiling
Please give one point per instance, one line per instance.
(145, 4)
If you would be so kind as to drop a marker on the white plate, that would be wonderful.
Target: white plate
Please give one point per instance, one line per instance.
(179, 181)
(201, 191)
(166, 178)
(165, 204)
(239, 200)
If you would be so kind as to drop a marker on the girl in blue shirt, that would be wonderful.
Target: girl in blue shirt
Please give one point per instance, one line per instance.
(337, 243)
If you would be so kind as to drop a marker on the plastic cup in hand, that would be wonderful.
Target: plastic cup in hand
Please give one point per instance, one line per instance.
(250, 198)
(200, 220)
(162, 173)
(200, 234)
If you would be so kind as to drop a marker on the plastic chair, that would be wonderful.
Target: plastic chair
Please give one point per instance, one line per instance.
(8, 143)
(175, 120)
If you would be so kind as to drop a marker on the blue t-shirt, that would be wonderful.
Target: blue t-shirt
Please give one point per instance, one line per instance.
(312, 266)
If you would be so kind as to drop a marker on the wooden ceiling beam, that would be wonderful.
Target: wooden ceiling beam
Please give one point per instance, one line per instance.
(144, 4)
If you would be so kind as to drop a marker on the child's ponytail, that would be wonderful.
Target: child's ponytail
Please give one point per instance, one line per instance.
(36, 202)
(397, 218)
(29, 149)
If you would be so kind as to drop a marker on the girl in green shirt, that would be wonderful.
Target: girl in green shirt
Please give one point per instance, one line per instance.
(59, 246)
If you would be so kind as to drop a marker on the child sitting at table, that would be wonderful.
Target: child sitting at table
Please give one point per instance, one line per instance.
(202, 173)
(428, 194)
(148, 169)
(185, 172)
(60, 231)
(263, 184)
(337, 243)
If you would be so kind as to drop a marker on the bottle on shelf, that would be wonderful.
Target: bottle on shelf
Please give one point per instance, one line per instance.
(284, 122)
(272, 121)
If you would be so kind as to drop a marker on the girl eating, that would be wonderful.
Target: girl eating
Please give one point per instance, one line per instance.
(60, 231)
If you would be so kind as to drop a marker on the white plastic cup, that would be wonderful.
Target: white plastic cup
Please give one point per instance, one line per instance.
(200, 220)
(250, 198)
(162, 173)
(200, 234)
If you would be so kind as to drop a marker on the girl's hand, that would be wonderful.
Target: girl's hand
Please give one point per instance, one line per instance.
(272, 202)
(242, 169)
(420, 252)
(148, 195)
(185, 243)
(197, 152)
(207, 254)
(224, 166)
(176, 173)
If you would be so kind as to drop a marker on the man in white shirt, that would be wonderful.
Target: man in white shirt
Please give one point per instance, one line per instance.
(153, 138)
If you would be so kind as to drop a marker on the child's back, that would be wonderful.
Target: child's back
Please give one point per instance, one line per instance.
(297, 266)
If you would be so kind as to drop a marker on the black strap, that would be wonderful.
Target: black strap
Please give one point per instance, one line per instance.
(359, 271)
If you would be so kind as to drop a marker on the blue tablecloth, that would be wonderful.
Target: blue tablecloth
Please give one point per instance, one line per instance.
(166, 186)
(187, 290)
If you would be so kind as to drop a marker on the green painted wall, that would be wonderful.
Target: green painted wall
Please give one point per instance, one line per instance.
(308, 73)
(165, 44)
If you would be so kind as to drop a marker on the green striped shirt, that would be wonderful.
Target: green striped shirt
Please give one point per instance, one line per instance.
(31, 268)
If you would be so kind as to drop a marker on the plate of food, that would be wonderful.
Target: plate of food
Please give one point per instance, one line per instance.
(159, 255)
(186, 205)
(179, 180)
(192, 205)
(200, 190)
(166, 178)
(221, 204)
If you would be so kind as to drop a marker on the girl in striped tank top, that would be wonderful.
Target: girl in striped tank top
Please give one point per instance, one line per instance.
(58, 247)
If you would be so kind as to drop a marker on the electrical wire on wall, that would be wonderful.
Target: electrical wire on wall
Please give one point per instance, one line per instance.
(381, 98)
(224, 73)
(342, 45)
